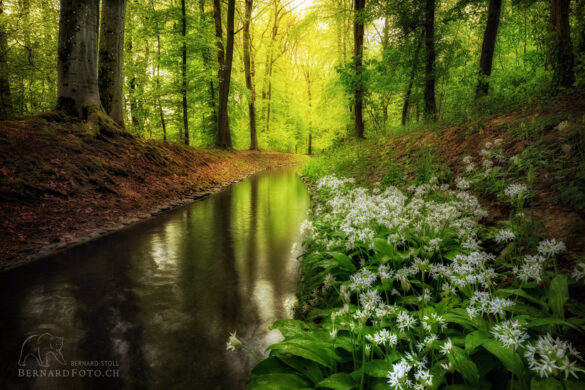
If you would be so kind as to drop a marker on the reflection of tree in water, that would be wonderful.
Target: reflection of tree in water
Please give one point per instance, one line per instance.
(107, 310)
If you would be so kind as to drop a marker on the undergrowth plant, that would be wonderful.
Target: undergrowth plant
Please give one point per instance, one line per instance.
(409, 290)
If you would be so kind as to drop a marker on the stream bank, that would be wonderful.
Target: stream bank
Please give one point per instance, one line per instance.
(60, 186)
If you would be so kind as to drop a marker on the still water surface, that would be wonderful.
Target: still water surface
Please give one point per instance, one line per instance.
(154, 305)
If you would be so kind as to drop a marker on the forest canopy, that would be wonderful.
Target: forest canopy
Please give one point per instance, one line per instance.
(295, 76)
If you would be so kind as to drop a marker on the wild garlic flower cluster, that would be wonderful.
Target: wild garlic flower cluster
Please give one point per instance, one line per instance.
(550, 356)
(410, 373)
(415, 255)
(510, 333)
(516, 191)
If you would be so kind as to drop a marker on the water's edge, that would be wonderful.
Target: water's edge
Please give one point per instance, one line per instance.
(131, 221)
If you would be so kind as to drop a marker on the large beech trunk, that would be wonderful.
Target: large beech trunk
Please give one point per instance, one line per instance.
(358, 35)
(111, 56)
(248, 76)
(488, 47)
(77, 89)
(430, 110)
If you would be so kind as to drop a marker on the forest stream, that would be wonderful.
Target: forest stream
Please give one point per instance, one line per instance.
(153, 306)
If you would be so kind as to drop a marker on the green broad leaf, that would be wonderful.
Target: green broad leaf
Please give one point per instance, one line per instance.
(317, 351)
(558, 294)
(512, 361)
(384, 248)
(305, 367)
(379, 368)
(552, 321)
(464, 365)
(338, 381)
(292, 328)
(277, 382)
(270, 365)
(343, 261)
(462, 320)
(474, 340)
(545, 384)
(575, 385)
(505, 292)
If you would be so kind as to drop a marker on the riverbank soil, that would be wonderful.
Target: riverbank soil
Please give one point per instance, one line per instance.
(60, 185)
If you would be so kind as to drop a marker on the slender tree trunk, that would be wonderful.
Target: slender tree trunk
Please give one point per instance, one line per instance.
(206, 63)
(5, 98)
(310, 100)
(406, 104)
(563, 57)
(488, 47)
(358, 34)
(158, 100)
(111, 56)
(184, 71)
(248, 76)
(224, 138)
(430, 110)
(77, 60)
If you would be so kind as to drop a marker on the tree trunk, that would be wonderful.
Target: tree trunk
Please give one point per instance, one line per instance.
(5, 99)
(111, 55)
(410, 84)
(78, 89)
(358, 34)
(430, 110)
(248, 76)
(310, 100)
(206, 63)
(160, 108)
(563, 58)
(184, 72)
(224, 138)
(488, 47)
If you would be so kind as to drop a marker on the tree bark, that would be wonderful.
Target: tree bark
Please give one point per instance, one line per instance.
(5, 98)
(406, 104)
(184, 72)
(224, 138)
(206, 54)
(111, 56)
(430, 109)
(248, 75)
(158, 100)
(77, 90)
(562, 50)
(358, 34)
(488, 47)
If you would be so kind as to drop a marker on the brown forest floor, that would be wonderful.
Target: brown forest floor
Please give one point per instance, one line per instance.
(60, 185)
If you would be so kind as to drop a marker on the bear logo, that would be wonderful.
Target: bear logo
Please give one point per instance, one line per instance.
(40, 347)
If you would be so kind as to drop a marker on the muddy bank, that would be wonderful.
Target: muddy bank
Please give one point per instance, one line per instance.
(60, 187)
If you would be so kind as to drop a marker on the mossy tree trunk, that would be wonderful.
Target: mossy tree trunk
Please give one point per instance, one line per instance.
(111, 55)
(77, 89)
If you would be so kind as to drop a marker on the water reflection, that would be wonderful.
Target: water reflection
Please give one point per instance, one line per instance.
(159, 300)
